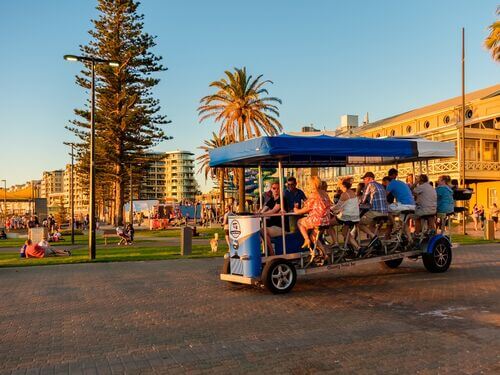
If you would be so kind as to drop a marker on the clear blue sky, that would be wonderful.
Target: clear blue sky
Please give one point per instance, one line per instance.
(326, 58)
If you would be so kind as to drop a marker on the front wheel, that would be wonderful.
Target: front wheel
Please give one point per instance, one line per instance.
(279, 276)
(394, 263)
(439, 260)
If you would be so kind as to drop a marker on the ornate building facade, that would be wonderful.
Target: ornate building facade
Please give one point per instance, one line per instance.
(441, 121)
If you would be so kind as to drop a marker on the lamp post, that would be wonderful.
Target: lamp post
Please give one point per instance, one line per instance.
(71, 193)
(5, 201)
(92, 61)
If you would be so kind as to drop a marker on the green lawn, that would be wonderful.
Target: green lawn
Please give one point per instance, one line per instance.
(204, 232)
(469, 240)
(141, 235)
(116, 254)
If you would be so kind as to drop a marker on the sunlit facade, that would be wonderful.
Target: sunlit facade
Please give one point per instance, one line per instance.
(441, 121)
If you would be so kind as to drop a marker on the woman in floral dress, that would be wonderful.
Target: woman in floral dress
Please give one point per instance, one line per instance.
(317, 207)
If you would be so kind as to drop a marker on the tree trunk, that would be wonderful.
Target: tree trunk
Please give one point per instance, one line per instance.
(119, 196)
(241, 190)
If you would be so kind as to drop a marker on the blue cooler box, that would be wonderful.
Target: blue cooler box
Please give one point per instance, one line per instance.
(244, 246)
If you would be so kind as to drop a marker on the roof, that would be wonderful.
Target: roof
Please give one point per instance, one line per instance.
(324, 150)
(485, 93)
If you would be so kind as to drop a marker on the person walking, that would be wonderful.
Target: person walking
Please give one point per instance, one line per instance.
(494, 212)
(475, 215)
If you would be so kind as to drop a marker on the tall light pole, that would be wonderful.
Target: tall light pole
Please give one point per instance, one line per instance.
(71, 193)
(464, 223)
(131, 210)
(5, 201)
(92, 61)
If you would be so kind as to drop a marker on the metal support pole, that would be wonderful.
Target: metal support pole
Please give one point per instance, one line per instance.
(92, 218)
(282, 205)
(131, 210)
(427, 167)
(71, 196)
(260, 206)
(463, 126)
(5, 201)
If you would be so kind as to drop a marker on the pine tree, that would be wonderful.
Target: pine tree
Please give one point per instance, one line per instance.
(128, 119)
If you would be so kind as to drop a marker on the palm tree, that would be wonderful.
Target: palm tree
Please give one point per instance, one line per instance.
(243, 111)
(219, 173)
(492, 42)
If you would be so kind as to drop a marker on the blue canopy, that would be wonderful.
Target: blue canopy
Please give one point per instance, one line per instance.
(325, 150)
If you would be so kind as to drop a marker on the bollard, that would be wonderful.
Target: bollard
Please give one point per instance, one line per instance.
(186, 240)
(489, 230)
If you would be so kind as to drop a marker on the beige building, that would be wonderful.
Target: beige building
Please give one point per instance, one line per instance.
(170, 178)
(52, 188)
(80, 196)
(441, 121)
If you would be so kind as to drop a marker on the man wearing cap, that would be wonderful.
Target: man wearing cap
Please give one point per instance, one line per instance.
(376, 196)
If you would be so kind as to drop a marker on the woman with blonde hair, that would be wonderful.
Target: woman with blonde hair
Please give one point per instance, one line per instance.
(317, 207)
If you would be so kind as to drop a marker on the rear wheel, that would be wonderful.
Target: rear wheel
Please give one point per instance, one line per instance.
(439, 260)
(279, 276)
(394, 263)
(226, 266)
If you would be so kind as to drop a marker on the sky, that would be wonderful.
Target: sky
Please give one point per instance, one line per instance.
(325, 58)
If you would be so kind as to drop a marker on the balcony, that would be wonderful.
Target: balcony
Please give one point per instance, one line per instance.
(474, 170)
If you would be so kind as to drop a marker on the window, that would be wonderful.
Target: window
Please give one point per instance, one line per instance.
(468, 113)
(490, 150)
(427, 124)
(408, 129)
(393, 133)
(446, 119)
(492, 197)
(471, 149)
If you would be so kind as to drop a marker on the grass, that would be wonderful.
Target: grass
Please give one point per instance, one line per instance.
(115, 254)
(141, 235)
(470, 240)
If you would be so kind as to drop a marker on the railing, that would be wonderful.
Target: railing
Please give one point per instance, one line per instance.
(435, 168)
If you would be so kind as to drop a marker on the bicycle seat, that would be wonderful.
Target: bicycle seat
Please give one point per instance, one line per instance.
(425, 217)
(323, 227)
(407, 212)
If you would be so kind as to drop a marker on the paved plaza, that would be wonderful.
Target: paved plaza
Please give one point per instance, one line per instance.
(177, 317)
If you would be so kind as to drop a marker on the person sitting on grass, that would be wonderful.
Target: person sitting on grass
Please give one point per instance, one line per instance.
(3, 235)
(130, 231)
(43, 251)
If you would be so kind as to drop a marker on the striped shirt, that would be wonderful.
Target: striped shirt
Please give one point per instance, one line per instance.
(376, 195)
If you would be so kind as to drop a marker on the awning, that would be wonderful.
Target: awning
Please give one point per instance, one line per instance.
(325, 150)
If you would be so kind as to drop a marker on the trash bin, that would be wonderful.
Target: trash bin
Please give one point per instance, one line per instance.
(244, 248)
(186, 240)
(489, 230)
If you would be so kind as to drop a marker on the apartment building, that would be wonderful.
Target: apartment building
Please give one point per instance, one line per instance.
(52, 188)
(170, 177)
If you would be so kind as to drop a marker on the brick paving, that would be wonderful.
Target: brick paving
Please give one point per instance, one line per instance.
(177, 317)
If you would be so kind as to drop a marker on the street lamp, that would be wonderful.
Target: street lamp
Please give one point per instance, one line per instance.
(4, 200)
(93, 61)
(71, 192)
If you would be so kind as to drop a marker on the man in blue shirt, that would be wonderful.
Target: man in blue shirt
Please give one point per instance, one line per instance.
(293, 195)
(404, 200)
(401, 193)
(294, 198)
